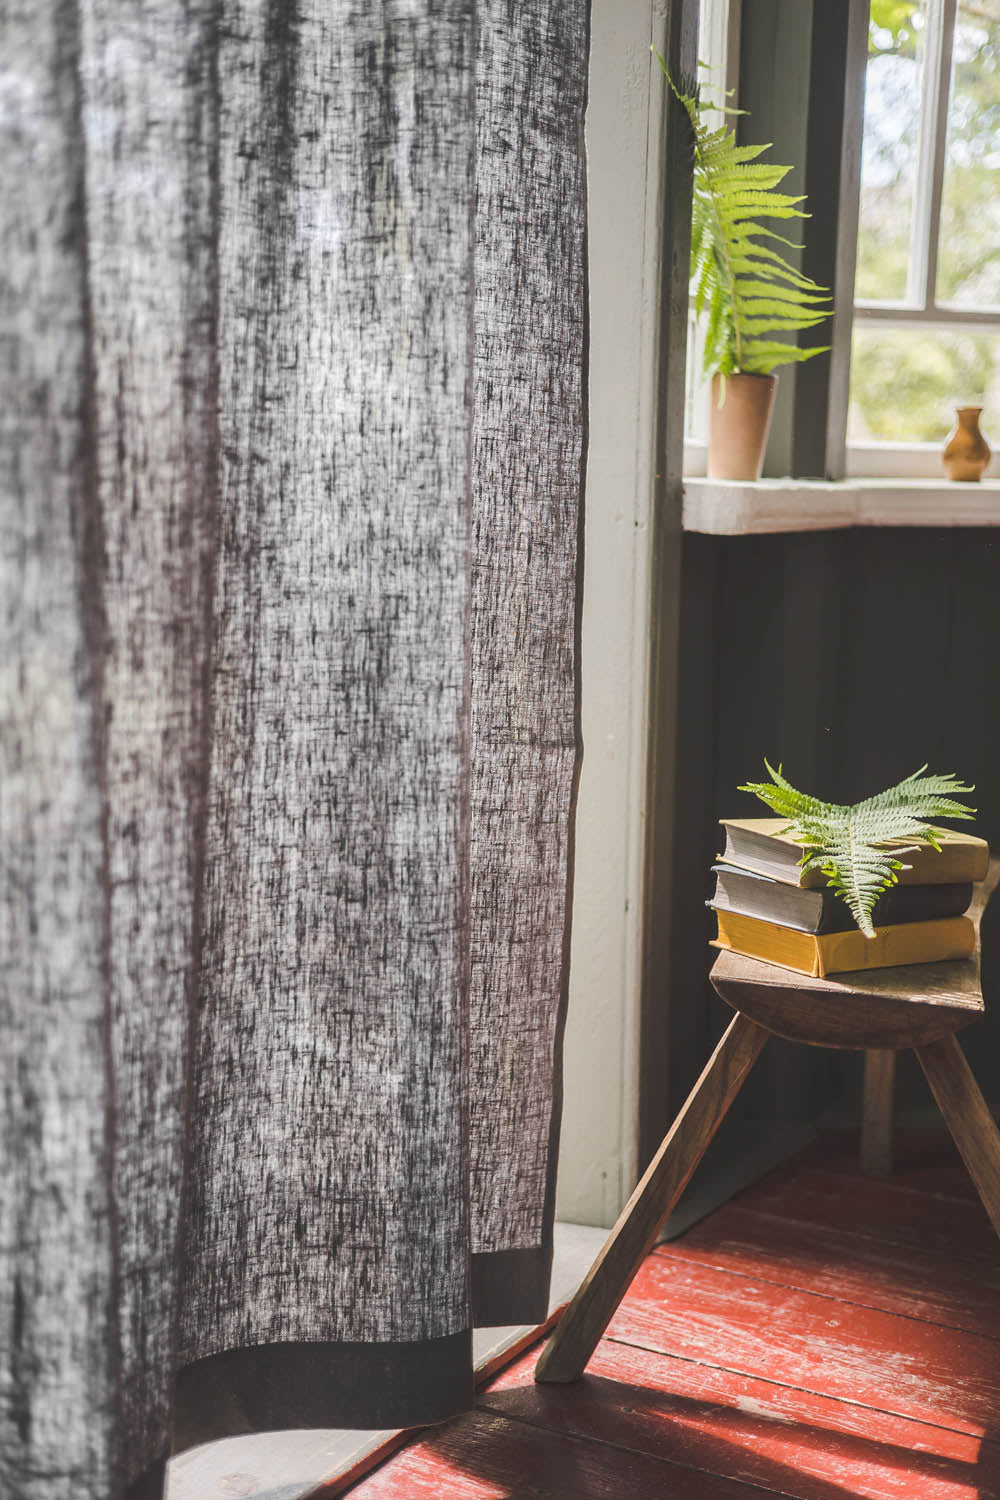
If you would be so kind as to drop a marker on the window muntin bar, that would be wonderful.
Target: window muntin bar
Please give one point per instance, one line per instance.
(931, 153)
(968, 273)
(899, 315)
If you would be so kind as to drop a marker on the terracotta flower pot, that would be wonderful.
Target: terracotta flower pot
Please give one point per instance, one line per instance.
(738, 429)
(967, 452)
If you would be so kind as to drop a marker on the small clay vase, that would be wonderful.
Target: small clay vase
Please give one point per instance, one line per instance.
(738, 428)
(967, 452)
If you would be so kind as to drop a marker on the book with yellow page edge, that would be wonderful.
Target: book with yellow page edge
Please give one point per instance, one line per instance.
(820, 954)
(758, 844)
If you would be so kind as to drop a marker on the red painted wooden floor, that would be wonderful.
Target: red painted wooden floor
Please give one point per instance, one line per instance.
(822, 1336)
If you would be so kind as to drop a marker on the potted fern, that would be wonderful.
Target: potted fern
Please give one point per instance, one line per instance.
(745, 290)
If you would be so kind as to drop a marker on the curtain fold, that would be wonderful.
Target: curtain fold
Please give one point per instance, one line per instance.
(527, 477)
(293, 311)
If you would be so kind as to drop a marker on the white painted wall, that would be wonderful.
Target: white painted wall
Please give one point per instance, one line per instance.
(598, 1167)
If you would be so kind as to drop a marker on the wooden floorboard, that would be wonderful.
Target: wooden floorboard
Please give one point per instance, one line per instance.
(849, 1267)
(821, 1337)
(761, 1431)
(883, 1211)
(915, 1369)
(484, 1456)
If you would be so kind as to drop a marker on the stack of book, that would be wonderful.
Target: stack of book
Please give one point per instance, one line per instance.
(769, 908)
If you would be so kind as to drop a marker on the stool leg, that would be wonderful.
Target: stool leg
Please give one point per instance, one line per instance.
(967, 1116)
(582, 1324)
(876, 1122)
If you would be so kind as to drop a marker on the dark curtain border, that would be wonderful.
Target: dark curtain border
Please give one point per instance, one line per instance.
(276, 1387)
(279, 1387)
(511, 1286)
(151, 1484)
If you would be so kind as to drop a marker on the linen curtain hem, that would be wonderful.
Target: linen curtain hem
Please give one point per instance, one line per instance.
(274, 1387)
(511, 1286)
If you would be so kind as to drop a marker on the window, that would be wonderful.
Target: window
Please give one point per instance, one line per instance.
(927, 312)
(926, 319)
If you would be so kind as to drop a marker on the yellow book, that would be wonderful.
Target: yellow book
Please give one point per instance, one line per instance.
(820, 954)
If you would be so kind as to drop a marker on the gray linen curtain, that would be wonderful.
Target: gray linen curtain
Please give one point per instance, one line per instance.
(292, 308)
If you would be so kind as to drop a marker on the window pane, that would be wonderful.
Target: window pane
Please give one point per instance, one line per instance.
(906, 383)
(896, 36)
(969, 244)
(713, 49)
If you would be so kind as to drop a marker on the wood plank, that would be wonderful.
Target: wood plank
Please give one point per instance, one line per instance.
(644, 1215)
(833, 1261)
(484, 1456)
(802, 1445)
(885, 1211)
(877, 1113)
(967, 1116)
(891, 1363)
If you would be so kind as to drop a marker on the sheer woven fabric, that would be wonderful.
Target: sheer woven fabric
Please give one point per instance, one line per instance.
(293, 331)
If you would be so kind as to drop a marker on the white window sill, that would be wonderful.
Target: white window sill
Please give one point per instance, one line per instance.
(719, 507)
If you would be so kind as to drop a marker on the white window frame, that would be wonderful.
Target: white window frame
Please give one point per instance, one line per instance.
(599, 1149)
(719, 46)
(920, 307)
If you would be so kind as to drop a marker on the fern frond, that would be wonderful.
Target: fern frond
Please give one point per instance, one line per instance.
(747, 288)
(772, 234)
(738, 175)
(859, 847)
(733, 191)
(750, 153)
(716, 331)
(760, 357)
(697, 240)
(775, 318)
(759, 260)
(765, 255)
(738, 203)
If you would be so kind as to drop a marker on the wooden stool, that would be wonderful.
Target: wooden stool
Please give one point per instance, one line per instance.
(880, 1011)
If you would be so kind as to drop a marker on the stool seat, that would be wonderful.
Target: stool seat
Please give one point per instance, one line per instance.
(878, 1008)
